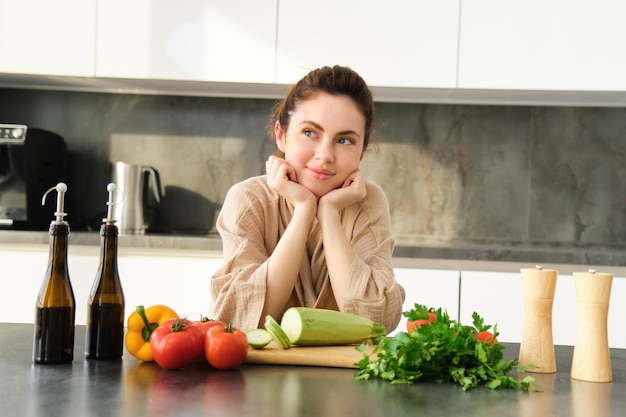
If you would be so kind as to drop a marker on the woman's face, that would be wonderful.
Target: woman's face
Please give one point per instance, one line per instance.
(323, 142)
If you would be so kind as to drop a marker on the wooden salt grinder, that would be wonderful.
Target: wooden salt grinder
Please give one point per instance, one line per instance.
(537, 346)
(592, 360)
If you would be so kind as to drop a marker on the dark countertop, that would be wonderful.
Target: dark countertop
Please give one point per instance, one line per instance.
(446, 252)
(518, 253)
(128, 387)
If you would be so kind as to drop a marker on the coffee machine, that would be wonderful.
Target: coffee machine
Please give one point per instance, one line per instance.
(31, 161)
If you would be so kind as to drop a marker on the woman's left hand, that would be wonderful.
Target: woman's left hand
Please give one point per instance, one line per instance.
(352, 191)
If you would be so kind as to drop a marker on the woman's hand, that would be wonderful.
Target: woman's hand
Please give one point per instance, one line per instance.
(282, 178)
(352, 191)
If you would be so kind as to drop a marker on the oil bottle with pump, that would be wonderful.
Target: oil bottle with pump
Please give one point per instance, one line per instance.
(105, 309)
(55, 309)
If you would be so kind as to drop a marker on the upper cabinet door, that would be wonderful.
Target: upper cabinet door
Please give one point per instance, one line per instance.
(199, 40)
(48, 37)
(543, 45)
(406, 43)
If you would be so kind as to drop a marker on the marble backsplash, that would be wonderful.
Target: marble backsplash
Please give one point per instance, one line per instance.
(455, 175)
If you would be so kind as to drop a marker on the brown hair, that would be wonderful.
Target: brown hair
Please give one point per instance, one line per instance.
(336, 80)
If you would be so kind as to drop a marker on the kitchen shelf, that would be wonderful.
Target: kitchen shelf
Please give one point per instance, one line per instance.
(275, 91)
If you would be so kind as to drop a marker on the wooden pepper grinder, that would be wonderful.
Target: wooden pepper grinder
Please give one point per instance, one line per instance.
(592, 360)
(537, 346)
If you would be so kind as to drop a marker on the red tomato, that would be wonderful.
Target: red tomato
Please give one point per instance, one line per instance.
(411, 325)
(176, 343)
(486, 337)
(225, 347)
(205, 324)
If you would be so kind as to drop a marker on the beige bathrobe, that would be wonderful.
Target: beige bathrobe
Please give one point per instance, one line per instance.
(251, 222)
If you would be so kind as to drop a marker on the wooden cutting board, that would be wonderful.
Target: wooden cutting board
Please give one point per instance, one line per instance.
(329, 356)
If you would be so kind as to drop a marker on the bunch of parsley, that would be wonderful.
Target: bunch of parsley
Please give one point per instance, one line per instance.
(443, 351)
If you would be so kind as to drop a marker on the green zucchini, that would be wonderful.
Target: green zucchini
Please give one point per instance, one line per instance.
(307, 326)
(277, 332)
(258, 338)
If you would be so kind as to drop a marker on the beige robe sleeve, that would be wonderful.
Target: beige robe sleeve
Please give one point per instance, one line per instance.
(239, 286)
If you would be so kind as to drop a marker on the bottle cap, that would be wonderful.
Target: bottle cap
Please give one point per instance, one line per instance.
(61, 189)
(112, 188)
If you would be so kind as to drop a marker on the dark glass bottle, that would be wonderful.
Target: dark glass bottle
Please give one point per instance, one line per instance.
(55, 309)
(105, 309)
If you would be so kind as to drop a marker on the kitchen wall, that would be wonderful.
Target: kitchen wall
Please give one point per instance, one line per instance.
(454, 174)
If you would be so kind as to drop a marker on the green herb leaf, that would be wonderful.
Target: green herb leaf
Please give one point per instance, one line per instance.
(418, 312)
(444, 351)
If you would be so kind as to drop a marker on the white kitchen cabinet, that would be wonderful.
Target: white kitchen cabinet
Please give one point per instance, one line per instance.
(539, 45)
(21, 275)
(433, 288)
(182, 283)
(497, 298)
(177, 280)
(196, 40)
(48, 37)
(406, 43)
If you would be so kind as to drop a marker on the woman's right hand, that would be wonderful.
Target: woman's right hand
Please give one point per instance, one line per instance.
(282, 178)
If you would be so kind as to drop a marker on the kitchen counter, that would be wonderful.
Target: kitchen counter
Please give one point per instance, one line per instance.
(147, 241)
(411, 254)
(128, 387)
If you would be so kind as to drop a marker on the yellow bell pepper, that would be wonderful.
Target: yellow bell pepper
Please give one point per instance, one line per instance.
(140, 325)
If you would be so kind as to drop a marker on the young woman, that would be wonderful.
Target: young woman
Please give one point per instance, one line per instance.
(312, 231)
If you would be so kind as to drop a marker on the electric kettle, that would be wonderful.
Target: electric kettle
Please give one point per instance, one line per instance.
(141, 191)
